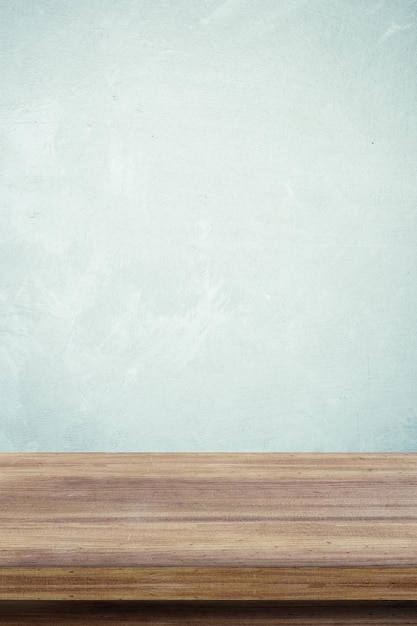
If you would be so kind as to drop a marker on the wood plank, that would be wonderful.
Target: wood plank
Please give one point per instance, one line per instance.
(181, 525)
(210, 583)
(207, 614)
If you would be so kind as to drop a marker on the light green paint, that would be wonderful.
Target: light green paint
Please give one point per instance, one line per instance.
(208, 225)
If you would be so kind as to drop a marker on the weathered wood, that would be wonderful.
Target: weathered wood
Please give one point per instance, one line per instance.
(208, 526)
(207, 614)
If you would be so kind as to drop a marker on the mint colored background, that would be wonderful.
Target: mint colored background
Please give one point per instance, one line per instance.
(208, 225)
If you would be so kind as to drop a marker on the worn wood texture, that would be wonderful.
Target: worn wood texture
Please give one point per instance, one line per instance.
(208, 526)
(207, 614)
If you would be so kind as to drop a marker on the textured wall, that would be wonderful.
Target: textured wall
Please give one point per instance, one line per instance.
(208, 225)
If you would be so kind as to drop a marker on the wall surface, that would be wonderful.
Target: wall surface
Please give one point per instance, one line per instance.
(208, 225)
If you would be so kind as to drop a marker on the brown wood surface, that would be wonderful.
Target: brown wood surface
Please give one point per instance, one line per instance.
(207, 614)
(205, 526)
(211, 583)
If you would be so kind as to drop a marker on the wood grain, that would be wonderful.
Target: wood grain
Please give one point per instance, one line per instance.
(208, 614)
(208, 583)
(205, 526)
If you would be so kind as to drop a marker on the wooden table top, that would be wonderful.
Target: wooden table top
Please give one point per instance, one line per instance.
(218, 526)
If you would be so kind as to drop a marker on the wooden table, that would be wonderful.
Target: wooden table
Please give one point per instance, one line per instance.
(242, 538)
